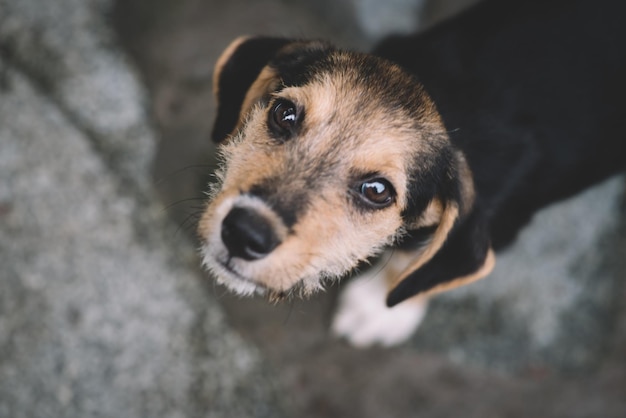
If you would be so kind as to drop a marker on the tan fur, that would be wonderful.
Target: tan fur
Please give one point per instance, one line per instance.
(487, 267)
(401, 261)
(432, 214)
(266, 82)
(332, 238)
(450, 215)
(345, 130)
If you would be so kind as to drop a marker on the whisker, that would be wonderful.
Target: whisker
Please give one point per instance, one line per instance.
(187, 223)
(169, 176)
(292, 302)
(178, 202)
(385, 263)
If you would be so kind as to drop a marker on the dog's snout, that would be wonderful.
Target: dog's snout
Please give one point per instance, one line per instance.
(248, 235)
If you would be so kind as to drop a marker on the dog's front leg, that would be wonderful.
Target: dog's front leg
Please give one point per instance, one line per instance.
(363, 317)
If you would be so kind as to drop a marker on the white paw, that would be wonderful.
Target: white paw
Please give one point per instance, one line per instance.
(364, 320)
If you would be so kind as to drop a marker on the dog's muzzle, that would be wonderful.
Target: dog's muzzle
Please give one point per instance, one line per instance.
(248, 235)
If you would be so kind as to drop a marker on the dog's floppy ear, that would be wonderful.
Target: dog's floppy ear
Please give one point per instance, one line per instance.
(250, 68)
(236, 70)
(459, 251)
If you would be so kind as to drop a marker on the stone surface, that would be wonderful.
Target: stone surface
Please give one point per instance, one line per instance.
(68, 51)
(551, 299)
(102, 311)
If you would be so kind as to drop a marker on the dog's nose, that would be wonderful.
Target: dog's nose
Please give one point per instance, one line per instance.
(248, 235)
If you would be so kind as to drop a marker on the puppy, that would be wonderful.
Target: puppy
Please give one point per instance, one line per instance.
(430, 153)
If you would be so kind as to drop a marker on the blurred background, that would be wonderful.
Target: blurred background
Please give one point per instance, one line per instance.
(105, 114)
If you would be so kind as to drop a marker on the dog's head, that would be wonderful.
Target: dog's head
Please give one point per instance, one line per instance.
(328, 157)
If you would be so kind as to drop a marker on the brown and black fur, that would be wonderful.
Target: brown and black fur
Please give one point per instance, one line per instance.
(473, 126)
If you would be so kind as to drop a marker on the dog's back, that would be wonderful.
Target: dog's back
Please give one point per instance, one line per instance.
(534, 94)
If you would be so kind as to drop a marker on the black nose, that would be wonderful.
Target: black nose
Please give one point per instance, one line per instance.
(248, 235)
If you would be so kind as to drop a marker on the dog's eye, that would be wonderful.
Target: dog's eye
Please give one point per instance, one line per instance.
(379, 193)
(283, 117)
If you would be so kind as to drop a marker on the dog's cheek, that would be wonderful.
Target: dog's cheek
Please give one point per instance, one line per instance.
(339, 237)
(249, 161)
(374, 232)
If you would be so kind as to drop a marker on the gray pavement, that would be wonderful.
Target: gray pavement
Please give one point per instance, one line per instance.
(100, 314)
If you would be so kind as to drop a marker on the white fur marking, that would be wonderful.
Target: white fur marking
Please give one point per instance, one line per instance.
(364, 320)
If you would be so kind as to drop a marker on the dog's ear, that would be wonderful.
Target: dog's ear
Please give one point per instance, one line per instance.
(249, 69)
(236, 70)
(459, 250)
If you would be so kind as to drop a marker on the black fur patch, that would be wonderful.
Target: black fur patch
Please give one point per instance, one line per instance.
(236, 77)
(304, 60)
(532, 93)
(463, 253)
(288, 206)
(434, 176)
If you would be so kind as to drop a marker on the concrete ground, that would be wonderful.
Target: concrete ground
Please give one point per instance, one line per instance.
(102, 313)
(175, 44)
